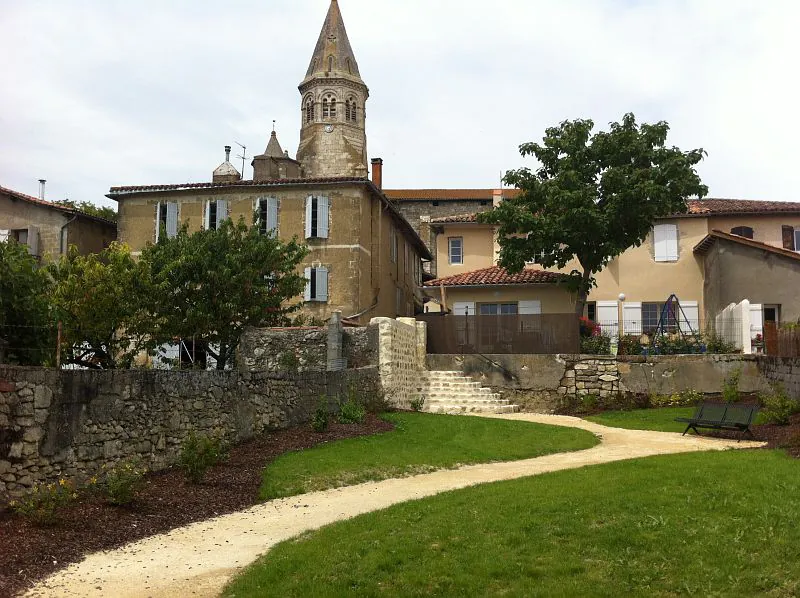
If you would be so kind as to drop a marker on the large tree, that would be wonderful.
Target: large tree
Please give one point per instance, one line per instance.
(98, 299)
(209, 285)
(593, 196)
(25, 322)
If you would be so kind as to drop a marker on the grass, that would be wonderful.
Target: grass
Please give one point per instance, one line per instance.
(660, 420)
(660, 526)
(421, 442)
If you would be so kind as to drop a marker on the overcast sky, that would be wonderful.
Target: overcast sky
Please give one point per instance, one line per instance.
(99, 93)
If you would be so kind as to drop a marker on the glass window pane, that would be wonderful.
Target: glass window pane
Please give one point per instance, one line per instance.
(508, 309)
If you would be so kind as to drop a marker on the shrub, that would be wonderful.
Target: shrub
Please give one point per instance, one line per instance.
(42, 503)
(319, 423)
(417, 403)
(352, 412)
(730, 388)
(123, 481)
(589, 402)
(630, 344)
(198, 453)
(717, 344)
(588, 328)
(596, 345)
(683, 398)
(777, 407)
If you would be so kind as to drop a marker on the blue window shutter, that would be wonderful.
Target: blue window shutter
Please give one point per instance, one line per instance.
(322, 284)
(308, 216)
(272, 215)
(323, 217)
(307, 293)
(172, 220)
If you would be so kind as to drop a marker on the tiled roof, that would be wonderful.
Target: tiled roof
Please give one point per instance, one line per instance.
(51, 205)
(115, 191)
(458, 218)
(703, 246)
(445, 194)
(713, 206)
(497, 276)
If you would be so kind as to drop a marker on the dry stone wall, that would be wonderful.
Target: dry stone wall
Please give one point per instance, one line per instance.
(401, 357)
(784, 371)
(62, 423)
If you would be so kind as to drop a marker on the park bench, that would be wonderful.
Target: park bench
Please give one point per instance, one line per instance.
(721, 416)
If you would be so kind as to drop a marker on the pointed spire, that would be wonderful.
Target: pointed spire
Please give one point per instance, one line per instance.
(274, 149)
(333, 52)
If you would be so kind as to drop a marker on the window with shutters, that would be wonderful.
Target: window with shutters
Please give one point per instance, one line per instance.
(742, 231)
(316, 284)
(665, 242)
(653, 312)
(790, 238)
(455, 250)
(166, 219)
(267, 209)
(216, 212)
(317, 217)
(497, 309)
(309, 110)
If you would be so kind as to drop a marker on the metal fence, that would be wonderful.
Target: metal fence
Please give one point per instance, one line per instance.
(523, 334)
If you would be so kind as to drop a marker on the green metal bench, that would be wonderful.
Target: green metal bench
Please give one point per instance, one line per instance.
(721, 416)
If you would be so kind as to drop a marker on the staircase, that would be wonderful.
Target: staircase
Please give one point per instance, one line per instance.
(452, 392)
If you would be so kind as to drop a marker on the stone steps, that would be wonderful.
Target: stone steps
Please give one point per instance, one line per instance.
(453, 392)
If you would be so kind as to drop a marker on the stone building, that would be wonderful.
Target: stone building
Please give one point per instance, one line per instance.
(49, 229)
(365, 259)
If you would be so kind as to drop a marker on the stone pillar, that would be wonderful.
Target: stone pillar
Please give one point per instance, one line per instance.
(422, 344)
(336, 361)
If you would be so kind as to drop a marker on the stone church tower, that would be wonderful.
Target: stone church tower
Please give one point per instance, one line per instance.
(333, 140)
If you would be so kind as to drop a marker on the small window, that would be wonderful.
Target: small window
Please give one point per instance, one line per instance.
(216, 212)
(789, 238)
(309, 110)
(317, 217)
(20, 236)
(742, 231)
(167, 219)
(498, 309)
(329, 106)
(591, 310)
(349, 66)
(665, 242)
(330, 63)
(347, 110)
(455, 250)
(316, 284)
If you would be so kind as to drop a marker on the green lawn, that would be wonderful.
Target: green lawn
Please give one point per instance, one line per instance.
(661, 420)
(421, 442)
(701, 524)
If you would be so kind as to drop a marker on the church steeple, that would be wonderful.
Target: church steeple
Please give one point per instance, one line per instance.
(333, 139)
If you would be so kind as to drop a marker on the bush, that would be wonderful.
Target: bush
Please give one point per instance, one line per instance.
(352, 412)
(717, 344)
(198, 453)
(777, 407)
(42, 503)
(730, 388)
(123, 481)
(417, 403)
(683, 398)
(319, 423)
(630, 344)
(595, 345)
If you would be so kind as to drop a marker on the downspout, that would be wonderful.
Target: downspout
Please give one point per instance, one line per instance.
(62, 245)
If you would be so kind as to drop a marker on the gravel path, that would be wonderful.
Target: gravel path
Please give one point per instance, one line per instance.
(197, 560)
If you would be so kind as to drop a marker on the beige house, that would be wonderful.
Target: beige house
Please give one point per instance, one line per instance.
(676, 258)
(365, 259)
(48, 229)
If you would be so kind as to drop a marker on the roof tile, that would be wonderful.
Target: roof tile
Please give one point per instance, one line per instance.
(496, 275)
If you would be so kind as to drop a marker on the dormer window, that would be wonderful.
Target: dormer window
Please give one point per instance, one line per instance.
(329, 106)
(742, 231)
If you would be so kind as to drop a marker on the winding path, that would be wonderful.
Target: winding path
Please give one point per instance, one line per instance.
(199, 559)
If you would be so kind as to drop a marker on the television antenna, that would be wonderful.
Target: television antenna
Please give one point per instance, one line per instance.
(243, 155)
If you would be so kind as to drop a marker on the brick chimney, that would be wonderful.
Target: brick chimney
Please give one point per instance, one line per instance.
(377, 172)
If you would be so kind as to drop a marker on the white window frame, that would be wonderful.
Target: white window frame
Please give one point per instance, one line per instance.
(665, 243)
(450, 242)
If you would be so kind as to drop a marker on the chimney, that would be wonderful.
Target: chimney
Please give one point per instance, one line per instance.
(377, 172)
(497, 197)
(227, 153)
(41, 188)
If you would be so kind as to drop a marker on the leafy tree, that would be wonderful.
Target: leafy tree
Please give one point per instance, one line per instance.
(209, 285)
(25, 322)
(98, 298)
(593, 197)
(89, 208)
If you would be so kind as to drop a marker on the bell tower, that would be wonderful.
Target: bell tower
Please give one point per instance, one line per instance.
(333, 139)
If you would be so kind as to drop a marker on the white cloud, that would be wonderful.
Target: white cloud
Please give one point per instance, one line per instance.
(115, 92)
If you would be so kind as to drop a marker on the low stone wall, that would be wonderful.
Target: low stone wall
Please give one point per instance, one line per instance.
(784, 371)
(401, 357)
(67, 423)
(550, 383)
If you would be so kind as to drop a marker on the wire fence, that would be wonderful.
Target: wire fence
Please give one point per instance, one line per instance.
(59, 346)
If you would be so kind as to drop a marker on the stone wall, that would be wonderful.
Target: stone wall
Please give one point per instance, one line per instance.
(549, 383)
(782, 370)
(401, 358)
(68, 423)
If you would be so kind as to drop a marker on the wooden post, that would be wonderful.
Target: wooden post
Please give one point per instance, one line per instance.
(58, 346)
